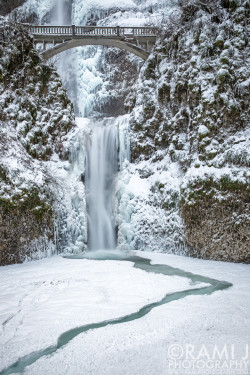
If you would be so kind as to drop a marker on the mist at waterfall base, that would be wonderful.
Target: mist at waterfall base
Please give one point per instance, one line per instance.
(102, 160)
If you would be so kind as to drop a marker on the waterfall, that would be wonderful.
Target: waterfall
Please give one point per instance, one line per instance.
(88, 216)
(102, 160)
(59, 12)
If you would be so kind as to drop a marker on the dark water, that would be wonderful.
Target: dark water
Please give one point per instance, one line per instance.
(140, 263)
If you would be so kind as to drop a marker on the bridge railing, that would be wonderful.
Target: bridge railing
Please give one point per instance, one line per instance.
(92, 30)
(50, 30)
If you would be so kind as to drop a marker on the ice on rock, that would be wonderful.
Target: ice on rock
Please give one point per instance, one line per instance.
(72, 213)
(124, 141)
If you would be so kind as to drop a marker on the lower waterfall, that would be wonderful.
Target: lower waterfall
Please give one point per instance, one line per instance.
(102, 165)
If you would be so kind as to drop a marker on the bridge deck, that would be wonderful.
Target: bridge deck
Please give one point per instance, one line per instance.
(92, 31)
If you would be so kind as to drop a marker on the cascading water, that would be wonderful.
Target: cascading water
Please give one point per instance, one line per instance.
(59, 12)
(102, 160)
(89, 214)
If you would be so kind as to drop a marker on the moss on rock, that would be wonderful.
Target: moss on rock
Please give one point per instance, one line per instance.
(216, 214)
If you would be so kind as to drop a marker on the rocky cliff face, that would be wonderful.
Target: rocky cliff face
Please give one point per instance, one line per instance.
(35, 117)
(190, 114)
(7, 6)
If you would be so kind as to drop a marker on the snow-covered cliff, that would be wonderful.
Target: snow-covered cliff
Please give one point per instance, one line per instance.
(190, 138)
(35, 117)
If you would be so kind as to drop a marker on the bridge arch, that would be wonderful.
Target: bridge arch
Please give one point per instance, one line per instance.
(59, 48)
(64, 38)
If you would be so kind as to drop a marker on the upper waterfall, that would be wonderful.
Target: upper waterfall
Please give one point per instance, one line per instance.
(60, 14)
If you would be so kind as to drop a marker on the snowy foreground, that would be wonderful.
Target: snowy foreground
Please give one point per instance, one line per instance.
(42, 299)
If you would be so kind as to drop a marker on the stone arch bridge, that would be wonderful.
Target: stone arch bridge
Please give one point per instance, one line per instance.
(137, 40)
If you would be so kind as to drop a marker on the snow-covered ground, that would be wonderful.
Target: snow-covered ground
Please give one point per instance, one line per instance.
(42, 299)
